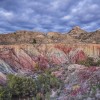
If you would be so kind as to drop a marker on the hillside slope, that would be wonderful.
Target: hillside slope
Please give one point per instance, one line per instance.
(75, 35)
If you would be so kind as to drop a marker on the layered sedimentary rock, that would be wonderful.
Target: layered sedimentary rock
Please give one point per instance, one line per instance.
(23, 58)
(22, 51)
(37, 49)
(2, 78)
(18, 61)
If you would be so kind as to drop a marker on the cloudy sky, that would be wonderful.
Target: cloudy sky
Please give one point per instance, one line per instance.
(49, 15)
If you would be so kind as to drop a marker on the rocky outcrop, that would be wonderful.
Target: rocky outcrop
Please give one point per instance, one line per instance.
(23, 58)
(16, 62)
(21, 37)
(76, 35)
(24, 52)
(80, 83)
(92, 37)
(53, 34)
(2, 78)
(76, 32)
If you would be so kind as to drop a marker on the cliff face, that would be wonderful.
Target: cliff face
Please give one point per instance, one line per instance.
(23, 58)
(92, 50)
(22, 51)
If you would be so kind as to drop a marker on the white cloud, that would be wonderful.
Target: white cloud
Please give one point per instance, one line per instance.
(66, 17)
(47, 15)
(5, 14)
(40, 29)
(90, 26)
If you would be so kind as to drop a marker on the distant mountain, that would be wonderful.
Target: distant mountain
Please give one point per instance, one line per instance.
(91, 37)
(75, 35)
(76, 31)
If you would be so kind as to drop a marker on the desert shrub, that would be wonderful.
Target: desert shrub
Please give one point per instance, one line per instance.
(39, 68)
(39, 96)
(34, 41)
(5, 93)
(46, 82)
(98, 63)
(21, 86)
(89, 62)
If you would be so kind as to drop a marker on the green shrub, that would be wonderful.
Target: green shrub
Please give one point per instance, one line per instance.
(5, 93)
(89, 62)
(39, 96)
(34, 41)
(20, 86)
(98, 63)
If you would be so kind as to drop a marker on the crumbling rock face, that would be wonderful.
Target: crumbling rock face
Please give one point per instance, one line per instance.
(80, 83)
(76, 32)
(21, 51)
(2, 78)
(23, 58)
(18, 62)
(92, 37)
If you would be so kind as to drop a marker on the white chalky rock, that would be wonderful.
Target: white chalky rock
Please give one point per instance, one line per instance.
(53, 93)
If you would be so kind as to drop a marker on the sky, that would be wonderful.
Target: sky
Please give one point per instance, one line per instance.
(49, 15)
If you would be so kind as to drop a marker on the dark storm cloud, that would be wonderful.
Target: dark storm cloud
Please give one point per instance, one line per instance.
(49, 15)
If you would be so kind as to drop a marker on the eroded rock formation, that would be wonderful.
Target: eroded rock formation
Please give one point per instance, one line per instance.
(23, 58)
(22, 51)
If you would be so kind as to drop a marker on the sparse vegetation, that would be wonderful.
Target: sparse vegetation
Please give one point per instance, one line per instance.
(89, 62)
(20, 87)
(34, 41)
(5, 93)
